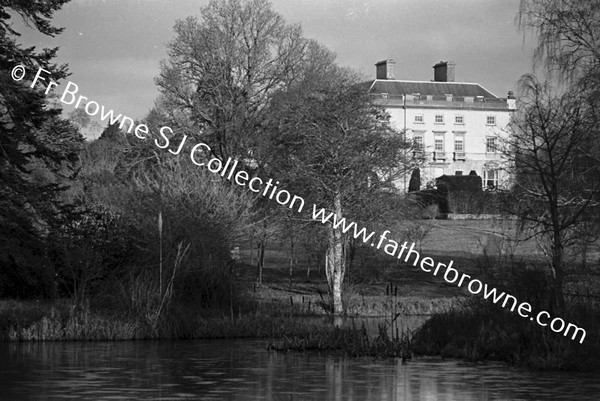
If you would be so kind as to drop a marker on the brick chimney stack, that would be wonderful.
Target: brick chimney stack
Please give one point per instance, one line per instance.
(444, 71)
(385, 69)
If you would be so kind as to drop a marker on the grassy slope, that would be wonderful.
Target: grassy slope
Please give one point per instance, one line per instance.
(462, 241)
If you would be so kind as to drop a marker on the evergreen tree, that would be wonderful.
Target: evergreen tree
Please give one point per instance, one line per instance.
(415, 180)
(112, 132)
(38, 150)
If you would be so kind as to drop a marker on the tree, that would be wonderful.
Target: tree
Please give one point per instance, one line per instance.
(82, 119)
(554, 153)
(415, 180)
(38, 149)
(568, 47)
(331, 145)
(112, 132)
(568, 33)
(568, 43)
(223, 68)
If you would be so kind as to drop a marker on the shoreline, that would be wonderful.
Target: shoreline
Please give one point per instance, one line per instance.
(22, 321)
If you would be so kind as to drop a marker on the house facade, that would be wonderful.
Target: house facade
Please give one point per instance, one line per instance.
(456, 127)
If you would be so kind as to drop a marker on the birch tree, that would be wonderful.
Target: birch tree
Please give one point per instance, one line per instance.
(330, 144)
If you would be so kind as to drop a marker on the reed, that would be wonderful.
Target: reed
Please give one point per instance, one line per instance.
(25, 321)
(350, 341)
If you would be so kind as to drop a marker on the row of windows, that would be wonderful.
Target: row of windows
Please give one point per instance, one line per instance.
(458, 119)
(459, 143)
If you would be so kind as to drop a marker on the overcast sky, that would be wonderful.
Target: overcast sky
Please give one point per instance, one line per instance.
(113, 47)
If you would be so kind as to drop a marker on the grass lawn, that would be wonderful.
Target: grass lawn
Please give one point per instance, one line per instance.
(475, 247)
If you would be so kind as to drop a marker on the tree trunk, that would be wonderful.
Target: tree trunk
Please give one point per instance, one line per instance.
(557, 300)
(336, 260)
(558, 266)
(261, 260)
(351, 249)
(292, 257)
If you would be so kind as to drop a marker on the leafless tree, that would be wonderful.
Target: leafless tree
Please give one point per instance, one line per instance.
(568, 34)
(553, 151)
(338, 151)
(224, 66)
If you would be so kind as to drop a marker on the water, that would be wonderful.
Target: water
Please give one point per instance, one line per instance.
(244, 370)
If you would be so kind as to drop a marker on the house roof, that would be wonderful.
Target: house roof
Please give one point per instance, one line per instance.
(457, 89)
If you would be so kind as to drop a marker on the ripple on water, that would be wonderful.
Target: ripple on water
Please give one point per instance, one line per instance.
(243, 370)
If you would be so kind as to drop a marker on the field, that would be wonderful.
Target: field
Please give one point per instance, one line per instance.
(381, 284)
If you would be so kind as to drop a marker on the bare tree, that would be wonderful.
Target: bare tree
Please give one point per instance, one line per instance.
(568, 34)
(337, 150)
(553, 151)
(224, 67)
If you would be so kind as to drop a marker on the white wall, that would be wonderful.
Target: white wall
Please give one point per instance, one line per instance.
(474, 129)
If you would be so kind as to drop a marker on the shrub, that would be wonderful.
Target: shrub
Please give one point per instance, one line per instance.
(484, 331)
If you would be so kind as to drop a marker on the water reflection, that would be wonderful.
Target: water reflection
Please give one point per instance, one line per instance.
(243, 370)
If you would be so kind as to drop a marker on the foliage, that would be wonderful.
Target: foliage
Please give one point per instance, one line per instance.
(164, 229)
(39, 155)
(484, 331)
(415, 180)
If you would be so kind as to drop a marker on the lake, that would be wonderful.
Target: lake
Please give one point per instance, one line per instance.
(245, 370)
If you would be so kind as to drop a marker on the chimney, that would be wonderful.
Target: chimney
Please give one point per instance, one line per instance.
(511, 101)
(385, 69)
(444, 71)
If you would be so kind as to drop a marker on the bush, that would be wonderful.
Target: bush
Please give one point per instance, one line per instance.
(157, 226)
(485, 331)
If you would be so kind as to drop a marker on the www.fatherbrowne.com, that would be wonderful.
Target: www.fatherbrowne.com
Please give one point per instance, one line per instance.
(269, 189)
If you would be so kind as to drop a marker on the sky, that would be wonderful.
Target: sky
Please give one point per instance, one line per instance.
(114, 47)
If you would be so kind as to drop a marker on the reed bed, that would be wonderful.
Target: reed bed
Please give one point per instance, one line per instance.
(350, 341)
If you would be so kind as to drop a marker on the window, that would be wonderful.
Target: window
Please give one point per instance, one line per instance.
(419, 118)
(439, 143)
(459, 145)
(418, 142)
(490, 144)
(458, 172)
(439, 119)
(490, 179)
(490, 120)
(459, 119)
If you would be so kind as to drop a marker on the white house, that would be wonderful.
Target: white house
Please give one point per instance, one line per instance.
(457, 125)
